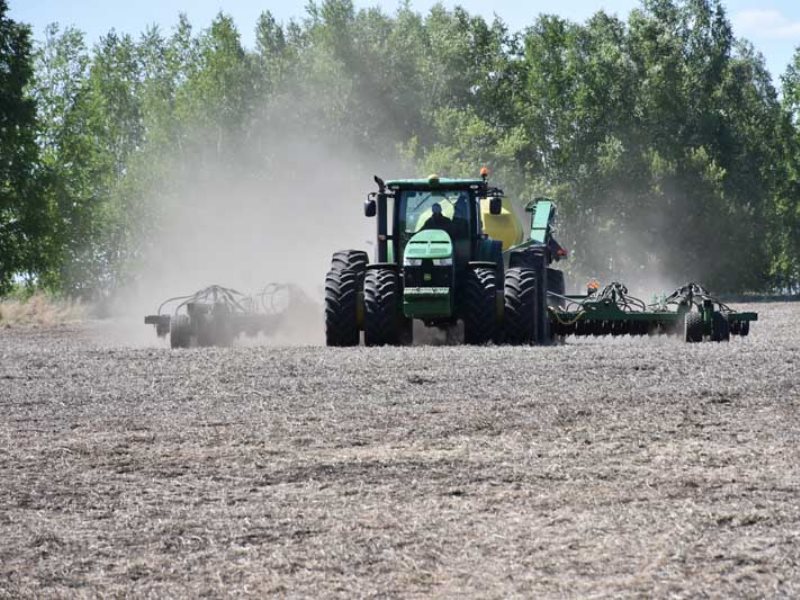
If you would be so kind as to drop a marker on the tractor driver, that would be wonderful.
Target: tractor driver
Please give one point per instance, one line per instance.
(438, 221)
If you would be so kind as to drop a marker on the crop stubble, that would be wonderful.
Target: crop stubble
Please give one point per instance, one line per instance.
(601, 467)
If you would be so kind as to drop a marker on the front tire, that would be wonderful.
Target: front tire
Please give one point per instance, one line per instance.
(520, 304)
(382, 319)
(341, 308)
(480, 306)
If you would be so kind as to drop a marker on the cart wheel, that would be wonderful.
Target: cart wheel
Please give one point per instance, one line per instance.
(720, 328)
(693, 327)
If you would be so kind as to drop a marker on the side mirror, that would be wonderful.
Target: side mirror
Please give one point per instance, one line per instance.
(495, 205)
(370, 207)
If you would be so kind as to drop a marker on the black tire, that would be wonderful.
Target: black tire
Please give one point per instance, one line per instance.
(735, 327)
(382, 318)
(179, 331)
(744, 328)
(693, 327)
(355, 260)
(520, 302)
(556, 284)
(341, 308)
(720, 328)
(479, 311)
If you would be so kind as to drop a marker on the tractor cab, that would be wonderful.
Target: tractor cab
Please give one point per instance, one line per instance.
(451, 210)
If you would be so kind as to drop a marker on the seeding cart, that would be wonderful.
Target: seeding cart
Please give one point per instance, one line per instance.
(456, 252)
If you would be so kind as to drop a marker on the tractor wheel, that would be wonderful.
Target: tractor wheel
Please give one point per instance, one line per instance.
(693, 327)
(519, 317)
(555, 284)
(744, 328)
(480, 306)
(179, 331)
(382, 320)
(720, 328)
(341, 307)
(355, 260)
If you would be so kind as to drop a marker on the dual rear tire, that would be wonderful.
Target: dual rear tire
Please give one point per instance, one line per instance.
(384, 323)
(479, 312)
(342, 286)
(520, 306)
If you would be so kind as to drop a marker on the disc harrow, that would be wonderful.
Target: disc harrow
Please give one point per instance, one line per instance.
(690, 311)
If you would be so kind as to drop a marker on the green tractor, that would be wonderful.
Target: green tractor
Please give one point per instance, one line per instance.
(434, 264)
(453, 250)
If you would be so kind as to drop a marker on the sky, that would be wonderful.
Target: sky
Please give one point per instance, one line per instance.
(773, 26)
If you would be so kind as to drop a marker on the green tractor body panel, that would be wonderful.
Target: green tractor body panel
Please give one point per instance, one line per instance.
(428, 273)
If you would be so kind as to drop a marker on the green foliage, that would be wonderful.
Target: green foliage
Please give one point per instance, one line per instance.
(662, 136)
(24, 214)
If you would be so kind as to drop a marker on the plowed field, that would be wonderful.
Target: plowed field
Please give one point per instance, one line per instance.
(603, 467)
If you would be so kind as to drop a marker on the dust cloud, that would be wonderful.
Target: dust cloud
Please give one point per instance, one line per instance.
(627, 248)
(245, 228)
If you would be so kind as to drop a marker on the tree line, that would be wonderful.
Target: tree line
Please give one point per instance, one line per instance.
(661, 136)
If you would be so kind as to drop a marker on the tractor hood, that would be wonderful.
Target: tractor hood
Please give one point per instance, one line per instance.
(429, 243)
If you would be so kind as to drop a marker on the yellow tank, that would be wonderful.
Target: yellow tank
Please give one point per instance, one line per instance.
(505, 227)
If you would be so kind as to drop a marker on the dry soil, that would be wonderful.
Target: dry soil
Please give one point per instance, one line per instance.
(604, 467)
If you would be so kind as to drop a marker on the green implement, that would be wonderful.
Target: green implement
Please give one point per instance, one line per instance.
(689, 311)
